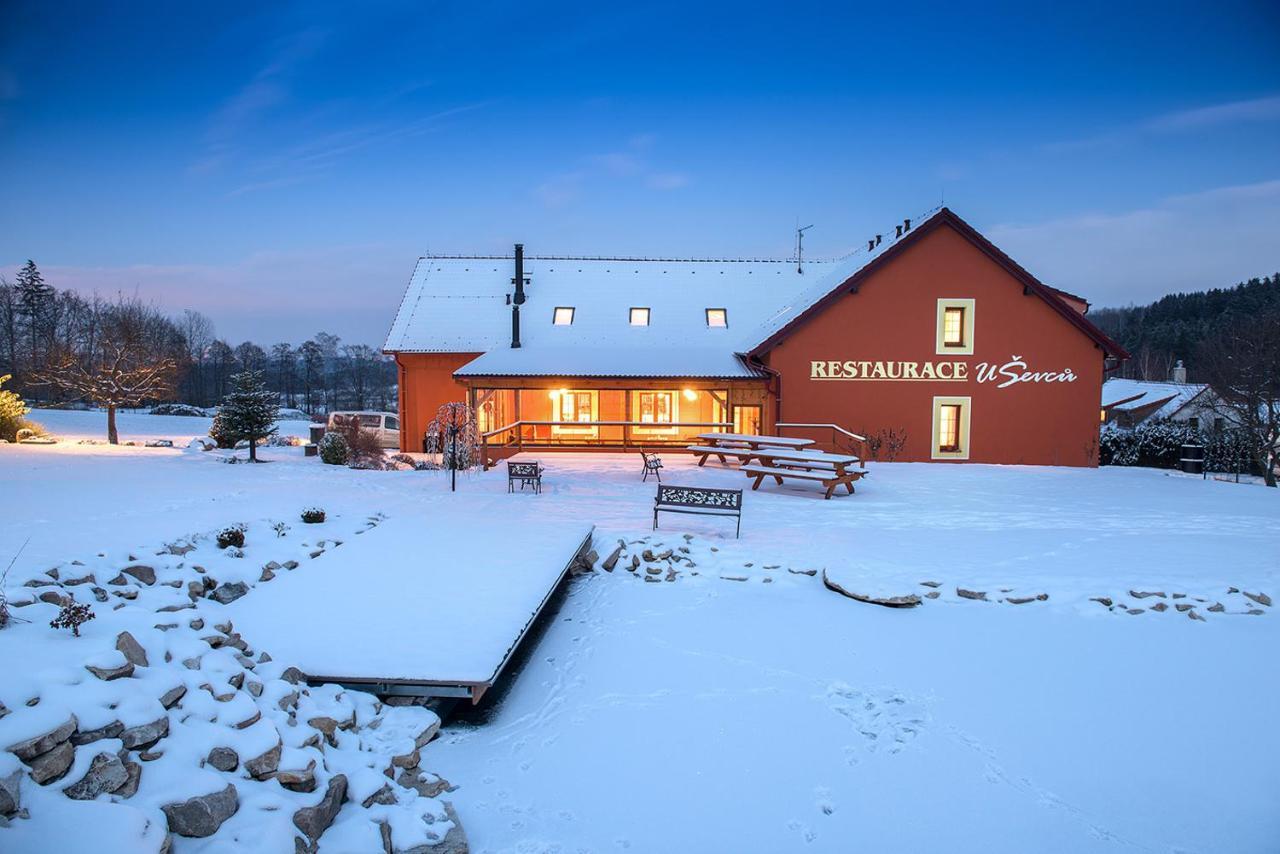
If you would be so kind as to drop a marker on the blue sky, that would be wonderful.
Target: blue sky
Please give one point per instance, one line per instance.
(280, 168)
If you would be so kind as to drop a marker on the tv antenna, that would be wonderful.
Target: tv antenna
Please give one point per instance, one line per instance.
(800, 247)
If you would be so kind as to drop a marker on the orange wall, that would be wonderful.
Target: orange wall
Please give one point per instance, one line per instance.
(893, 317)
(426, 382)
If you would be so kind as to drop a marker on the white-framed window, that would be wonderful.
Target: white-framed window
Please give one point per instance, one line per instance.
(656, 408)
(563, 315)
(955, 327)
(717, 317)
(951, 417)
(572, 404)
(639, 316)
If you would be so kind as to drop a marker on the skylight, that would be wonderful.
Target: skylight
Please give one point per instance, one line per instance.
(717, 317)
(563, 315)
(639, 317)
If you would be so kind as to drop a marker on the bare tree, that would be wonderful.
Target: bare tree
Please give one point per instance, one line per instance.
(132, 361)
(1243, 366)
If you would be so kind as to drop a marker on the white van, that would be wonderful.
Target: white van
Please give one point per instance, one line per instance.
(385, 424)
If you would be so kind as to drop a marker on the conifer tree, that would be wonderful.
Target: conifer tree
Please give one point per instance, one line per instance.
(250, 409)
(34, 301)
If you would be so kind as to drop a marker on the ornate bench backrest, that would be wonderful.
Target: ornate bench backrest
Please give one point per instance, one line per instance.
(696, 496)
(522, 469)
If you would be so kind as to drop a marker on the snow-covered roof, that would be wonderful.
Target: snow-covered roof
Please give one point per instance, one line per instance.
(602, 361)
(1127, 395)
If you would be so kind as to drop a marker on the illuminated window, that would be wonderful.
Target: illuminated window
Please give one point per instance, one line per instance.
(563, 316)
(575, 405)
(655, 407)
(955, 327)
(717, 317)
(639, 317)
(950, 428)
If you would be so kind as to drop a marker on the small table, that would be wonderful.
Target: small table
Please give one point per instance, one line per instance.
(743, 446)
(830, 470)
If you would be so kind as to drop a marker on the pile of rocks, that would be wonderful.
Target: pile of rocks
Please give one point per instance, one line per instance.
(1184, 603)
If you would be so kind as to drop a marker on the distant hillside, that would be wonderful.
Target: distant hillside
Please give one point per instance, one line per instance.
(1173, 327)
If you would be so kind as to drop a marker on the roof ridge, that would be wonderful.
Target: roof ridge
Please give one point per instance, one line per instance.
(621, 258)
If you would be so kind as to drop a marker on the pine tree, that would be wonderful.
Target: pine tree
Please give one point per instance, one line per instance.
(250, 409)
(35, 299)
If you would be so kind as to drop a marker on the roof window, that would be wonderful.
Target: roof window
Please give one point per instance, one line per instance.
(639, 317)
(717, 317)
(563, 315)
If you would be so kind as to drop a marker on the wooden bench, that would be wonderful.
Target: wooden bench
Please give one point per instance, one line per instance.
(699, 500)
(652, 466)
(742, 454)
(824, 473)
(526, 473)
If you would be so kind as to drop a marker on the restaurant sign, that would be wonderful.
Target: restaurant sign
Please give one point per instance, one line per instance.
(1011, 373)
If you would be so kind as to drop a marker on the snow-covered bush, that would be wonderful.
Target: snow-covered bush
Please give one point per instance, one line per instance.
(223, 432)
(72, 616)
(1159, 444)
(452, 434)
(334, 449)
(177, 409)
(12, 410)
(313, 515)
(232, 536)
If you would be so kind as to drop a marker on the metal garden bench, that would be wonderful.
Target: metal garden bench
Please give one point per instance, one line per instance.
(526, 474)
(699, 500)
(652, 466)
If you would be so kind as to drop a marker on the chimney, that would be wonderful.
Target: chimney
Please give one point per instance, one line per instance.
(898, 232)
(906, 226)
(1179, 373)
(878, 236)
(871, 244)
(518, 299)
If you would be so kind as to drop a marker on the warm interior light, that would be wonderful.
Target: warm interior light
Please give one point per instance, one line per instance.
(690, 394)
(554, 394)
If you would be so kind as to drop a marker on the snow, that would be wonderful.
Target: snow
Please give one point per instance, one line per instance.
(707, 713)
(475, 602)
(76, 424)
(1174, 395)
(672, 361)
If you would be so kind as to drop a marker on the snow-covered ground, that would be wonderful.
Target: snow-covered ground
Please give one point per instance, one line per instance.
(742, 705)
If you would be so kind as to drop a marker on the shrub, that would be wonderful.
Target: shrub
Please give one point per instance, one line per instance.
(334, 449)
(223, 433)
(313, 515)
(72, 616)
(365, 445)
(177, 409)
(12, 410)
(1159, 444)
(233, 536)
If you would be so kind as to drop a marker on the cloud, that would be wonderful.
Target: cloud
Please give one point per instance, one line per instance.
(1187, 242)
(629, 164)
(1192, 120)
(666, 180)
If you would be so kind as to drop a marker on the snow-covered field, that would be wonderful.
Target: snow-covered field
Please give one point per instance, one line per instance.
(742, 706)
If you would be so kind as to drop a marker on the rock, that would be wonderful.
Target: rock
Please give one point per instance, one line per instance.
(130, 787)
(1184, 606)
(314, 821)
(202, 816)
(1179, 596)
(150, 755)
(1023, 600)
(264, 657)
(223, 758)
(1260, 598)
(53, 597)
(386, 796)
(170, 698)
(406, 760)
(119, 580)
(1105, 600)
(1233, 589)
(908, 601)
(1159, 606)
(1255, 611)
(266, 575)
(612, 560)
(111, 730)
(931, 583)
(145, 574)
(11, 794)
(48, 767)
(1136, 611)
(326, 725)
(191, 663)
(671, 575)
(130, 594)
(1143, 594)
(133, 651)
(288, 700)
(971, 594)
(168, 609)
(293, 676)
(197, 624)
(249, 721)
(98, 593)
(254, 688)
(656, 580)
(290, 564)
(428, 733)
(33, 747)
(648, 556)
(230, 592)
(298, 781)
(1217, 608)
(1193, 615)
(455, 841)
(653, 570)
(932, 594)
(106, 774)
(145, 735)
(194, 591)
(635, 563)
(266, 764)
(809, 572)
(412, 779)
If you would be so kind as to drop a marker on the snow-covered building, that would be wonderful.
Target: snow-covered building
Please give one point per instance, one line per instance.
(930, 334)
(1127, 403)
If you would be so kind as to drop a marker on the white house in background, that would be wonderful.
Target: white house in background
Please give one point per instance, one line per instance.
(1128, 403)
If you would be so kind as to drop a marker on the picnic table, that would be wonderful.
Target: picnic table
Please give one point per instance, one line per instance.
(830, 470)
(741, 446)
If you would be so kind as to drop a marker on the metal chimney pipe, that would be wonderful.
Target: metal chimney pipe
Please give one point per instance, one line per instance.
(518, 299)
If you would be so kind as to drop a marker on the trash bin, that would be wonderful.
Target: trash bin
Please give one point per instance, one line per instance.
(317, 433)
(1193, 459)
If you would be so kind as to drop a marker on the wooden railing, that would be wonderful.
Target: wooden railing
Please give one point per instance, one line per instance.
(589, 434)
(842, 439)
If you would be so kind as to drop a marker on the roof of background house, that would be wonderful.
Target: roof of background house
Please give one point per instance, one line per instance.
(459, 304)
(1128, 395)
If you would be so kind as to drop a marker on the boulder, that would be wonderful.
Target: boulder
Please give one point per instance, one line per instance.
(106, 774)
(130, 787)
(230, 592)
(293, 675)
(1193, 615)
(455, 840)
(290, 564)
(298, 781)
(314, 821)
(1023, 600)
(266, 764)
(266, 575)
(1143, 594)
(429, 788)
(145, 735)
(87, 736)
(32, 747)
(1217, 608)
(429, 732)
(809, 572)
(909, 600)
(145, 574)
(612, 560)
(325, 724)
(386, 796)
(1159, 606)
(11, 794)
(1102, 600)
(170, 698)
(1260, 598)
(132, 650)
(223, 758)
(971, 594)
(1184, 606)
(202, 816)
(48, 767)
